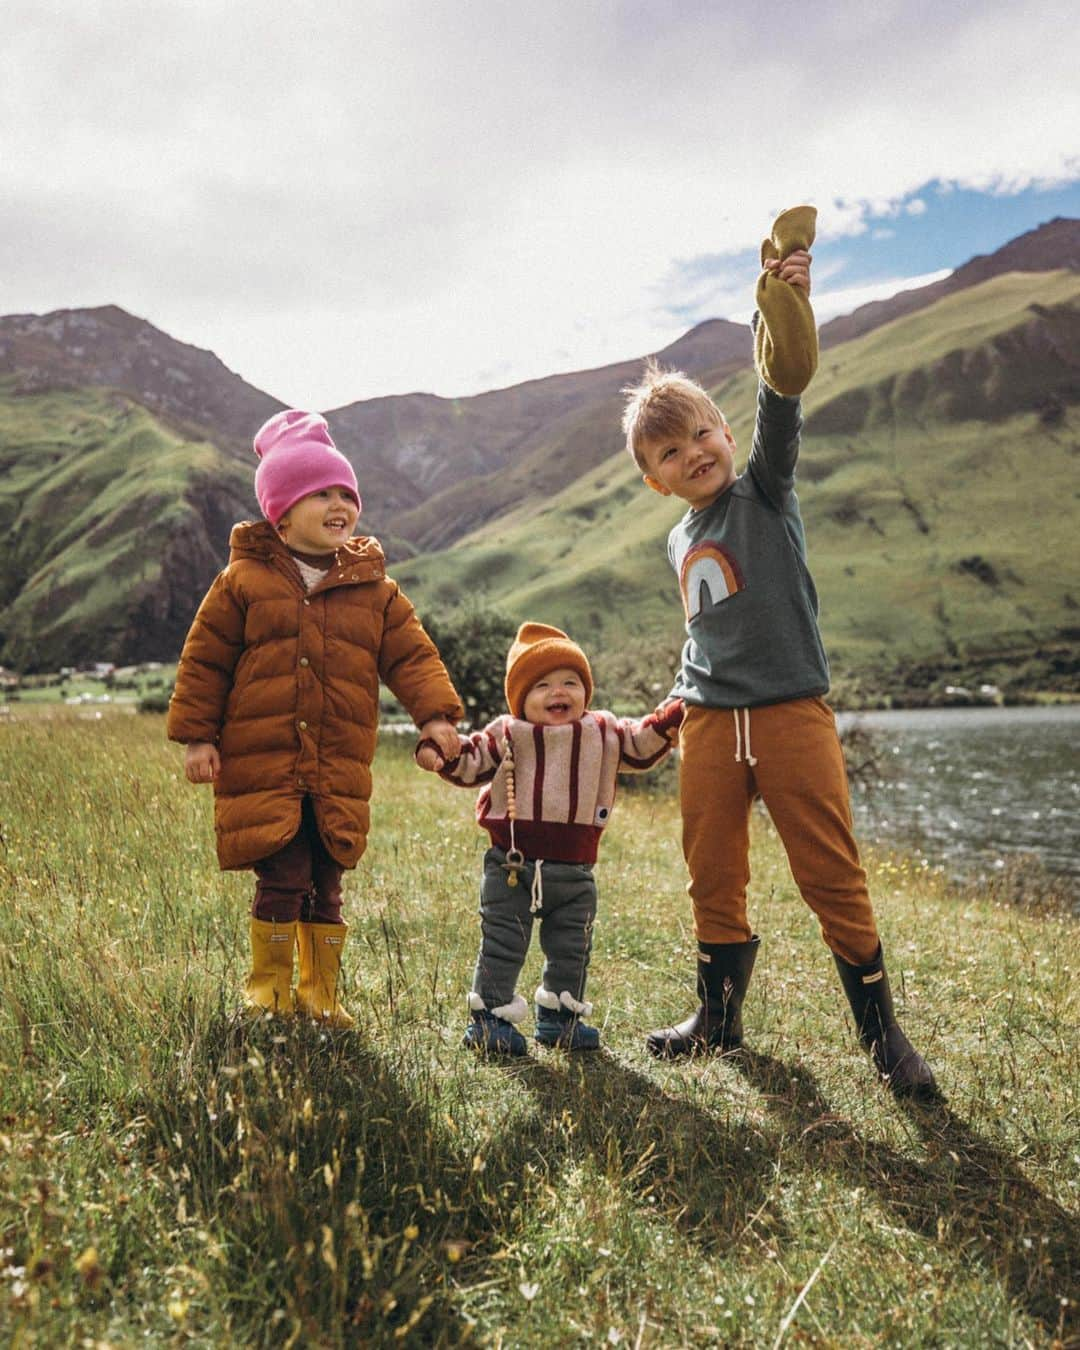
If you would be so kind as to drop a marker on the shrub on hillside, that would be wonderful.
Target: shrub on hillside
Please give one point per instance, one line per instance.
(473, 642)
(155, 700)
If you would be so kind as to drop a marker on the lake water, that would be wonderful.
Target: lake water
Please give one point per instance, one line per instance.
(967, 787)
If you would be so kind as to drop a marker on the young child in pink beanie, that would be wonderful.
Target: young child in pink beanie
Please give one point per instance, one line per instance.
(277, 702)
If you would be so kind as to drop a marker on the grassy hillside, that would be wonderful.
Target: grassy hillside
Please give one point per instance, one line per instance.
(98, 535)
(560, 449)
(174, 1177)
(930, 528)
(936, 479)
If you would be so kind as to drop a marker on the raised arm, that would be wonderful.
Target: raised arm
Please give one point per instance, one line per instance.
(774, 451)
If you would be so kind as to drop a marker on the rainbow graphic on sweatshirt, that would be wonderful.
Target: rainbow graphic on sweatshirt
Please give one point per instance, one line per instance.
(709, 574)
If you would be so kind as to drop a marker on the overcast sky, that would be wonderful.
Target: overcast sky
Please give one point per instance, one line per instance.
(351, 199)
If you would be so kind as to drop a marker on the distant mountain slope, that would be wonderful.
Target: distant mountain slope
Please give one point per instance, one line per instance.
(431, 468)
(109, 348)
(922, 514)
(1051, 247)
(126, 455)
(110, 527)
(440, 468)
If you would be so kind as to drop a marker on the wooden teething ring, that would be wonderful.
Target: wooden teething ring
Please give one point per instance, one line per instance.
(515, 859)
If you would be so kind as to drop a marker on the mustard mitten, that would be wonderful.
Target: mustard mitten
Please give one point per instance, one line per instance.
(269, 986)
(785, 342)
(319, 946)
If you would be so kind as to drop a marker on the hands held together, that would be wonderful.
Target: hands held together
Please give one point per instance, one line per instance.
(439, 744)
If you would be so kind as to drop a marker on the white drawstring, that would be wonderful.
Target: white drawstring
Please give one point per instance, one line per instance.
(746, 737)
(537, 888)
(741, 735)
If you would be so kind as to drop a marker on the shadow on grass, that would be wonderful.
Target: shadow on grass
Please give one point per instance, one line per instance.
(339, 1207)
(349, 1204)
(709, 1177)
(969, 1195)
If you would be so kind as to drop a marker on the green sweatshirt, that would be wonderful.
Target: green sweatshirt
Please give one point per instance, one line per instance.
(750, 601)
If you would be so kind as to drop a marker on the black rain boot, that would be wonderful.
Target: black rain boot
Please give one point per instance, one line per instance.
(897, 1061)
(724, 970)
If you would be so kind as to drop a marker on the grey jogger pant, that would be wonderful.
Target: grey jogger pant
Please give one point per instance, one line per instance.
(566, 912)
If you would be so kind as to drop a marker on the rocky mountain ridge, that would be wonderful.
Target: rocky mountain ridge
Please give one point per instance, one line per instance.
(107, 347)
(125, 454)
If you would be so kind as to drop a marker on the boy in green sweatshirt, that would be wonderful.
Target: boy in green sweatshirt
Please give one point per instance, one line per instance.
(754, 675)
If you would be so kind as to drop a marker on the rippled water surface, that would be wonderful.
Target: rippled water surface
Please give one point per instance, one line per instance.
(969, 786)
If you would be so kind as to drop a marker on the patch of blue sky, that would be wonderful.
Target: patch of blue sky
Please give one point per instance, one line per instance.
(934, 229)
(941, 226)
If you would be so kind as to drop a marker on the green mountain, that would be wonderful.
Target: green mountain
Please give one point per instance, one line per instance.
(940, 426)
(125, 457)
(937, 480)
(111, 524)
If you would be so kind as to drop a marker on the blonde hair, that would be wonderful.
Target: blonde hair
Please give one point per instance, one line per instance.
(664, 404)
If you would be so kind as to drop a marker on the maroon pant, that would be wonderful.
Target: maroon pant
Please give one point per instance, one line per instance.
(300, 881)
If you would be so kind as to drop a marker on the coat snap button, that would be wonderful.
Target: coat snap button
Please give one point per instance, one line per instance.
(304, 661)
(303, 726)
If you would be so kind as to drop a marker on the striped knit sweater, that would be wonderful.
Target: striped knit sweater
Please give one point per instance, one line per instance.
(564, 776)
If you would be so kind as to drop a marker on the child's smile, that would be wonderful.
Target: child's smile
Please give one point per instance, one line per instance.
(556, 698)
(320, 522)
(697, 466)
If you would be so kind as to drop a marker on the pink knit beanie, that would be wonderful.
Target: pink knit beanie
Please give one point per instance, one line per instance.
(296, 457)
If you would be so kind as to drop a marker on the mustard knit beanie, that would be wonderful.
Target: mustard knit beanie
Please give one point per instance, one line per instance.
(785, 343)
(535, 651)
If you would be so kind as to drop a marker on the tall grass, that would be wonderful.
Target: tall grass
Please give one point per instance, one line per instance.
(172, 1174)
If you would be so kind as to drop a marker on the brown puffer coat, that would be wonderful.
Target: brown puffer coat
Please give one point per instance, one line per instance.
(286, 683)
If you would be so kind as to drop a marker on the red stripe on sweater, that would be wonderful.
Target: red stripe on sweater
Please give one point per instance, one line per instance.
(635, 763)
(538, 781)
(575, 759)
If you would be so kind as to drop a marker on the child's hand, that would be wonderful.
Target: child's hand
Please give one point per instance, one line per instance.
(428, 756)
(669, 718)
(445, 736)
(794, 269)
(202, 763)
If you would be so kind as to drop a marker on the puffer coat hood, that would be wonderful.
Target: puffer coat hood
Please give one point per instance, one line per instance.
(286, 683)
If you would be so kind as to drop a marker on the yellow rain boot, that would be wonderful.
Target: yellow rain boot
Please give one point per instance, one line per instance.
(785, 340)
(269, 986)
(320, 970)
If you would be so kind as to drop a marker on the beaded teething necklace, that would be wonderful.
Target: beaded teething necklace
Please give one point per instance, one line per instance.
(515, 859)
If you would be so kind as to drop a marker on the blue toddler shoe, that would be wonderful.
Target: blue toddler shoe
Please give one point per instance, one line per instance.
(561, 1025)
(493, 1034)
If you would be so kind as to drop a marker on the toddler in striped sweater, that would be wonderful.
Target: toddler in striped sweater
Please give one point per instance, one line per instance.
(548, 771)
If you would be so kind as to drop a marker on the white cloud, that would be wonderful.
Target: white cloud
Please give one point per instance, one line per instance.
(828, 304)
(369, 198)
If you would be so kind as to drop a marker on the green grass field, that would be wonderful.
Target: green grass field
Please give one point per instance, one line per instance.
(170, 1175)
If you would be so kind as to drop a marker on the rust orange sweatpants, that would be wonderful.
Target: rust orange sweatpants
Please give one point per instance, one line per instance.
(790, 753)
